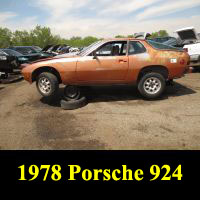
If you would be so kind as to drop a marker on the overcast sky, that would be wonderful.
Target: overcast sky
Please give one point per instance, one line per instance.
(101, 18)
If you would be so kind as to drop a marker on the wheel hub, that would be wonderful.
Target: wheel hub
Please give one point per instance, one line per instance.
(152, 85)
(44, 85)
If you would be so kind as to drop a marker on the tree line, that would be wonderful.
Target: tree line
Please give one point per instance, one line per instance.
(42, 36)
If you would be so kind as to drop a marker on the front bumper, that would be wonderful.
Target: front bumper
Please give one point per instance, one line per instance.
(26, 73)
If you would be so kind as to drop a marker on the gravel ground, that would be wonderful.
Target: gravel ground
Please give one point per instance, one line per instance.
(115, 118)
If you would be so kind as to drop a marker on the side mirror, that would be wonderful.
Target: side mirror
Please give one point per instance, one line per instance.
(94, 55)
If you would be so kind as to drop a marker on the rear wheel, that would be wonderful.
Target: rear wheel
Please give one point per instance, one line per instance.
(47, 84)
(152, 85)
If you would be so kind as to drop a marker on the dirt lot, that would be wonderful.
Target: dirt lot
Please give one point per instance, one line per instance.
(115, 118)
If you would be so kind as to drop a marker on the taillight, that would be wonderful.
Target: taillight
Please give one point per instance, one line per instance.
(185, 49)
(182, 61)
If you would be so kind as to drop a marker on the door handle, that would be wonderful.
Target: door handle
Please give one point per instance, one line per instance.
(120, 60)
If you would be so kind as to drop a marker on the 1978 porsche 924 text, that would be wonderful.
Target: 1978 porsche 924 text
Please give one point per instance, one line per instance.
(145, 63)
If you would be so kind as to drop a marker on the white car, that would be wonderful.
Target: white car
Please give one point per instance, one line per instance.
(192, 44)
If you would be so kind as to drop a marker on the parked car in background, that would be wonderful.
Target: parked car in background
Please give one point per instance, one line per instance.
(38, 49)
(74, 49)
(31, 52)
(146, 63)
(175, 42)
(65, 49)
(142, 35)
(7, 64)
(163, 39)
(25, 50)
(54, 50)
(20, 58)
(168, 40)
(46, 48)
(191, 44)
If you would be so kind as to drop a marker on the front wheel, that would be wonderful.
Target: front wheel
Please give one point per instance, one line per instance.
(152, 85)
(47, 84)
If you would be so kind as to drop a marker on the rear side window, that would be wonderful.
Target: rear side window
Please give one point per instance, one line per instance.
(136, 47)
(161, 46)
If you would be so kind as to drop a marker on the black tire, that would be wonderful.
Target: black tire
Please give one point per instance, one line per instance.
(53, 82)
(152, 76)
(71, 93)
(74, 104)
(170, 82)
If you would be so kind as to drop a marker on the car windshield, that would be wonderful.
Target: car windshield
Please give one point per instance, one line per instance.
(11, 52)
(87, 49)
(161, 46)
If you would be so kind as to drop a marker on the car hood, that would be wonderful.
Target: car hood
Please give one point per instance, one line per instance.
(32, 54)
(54, 59)
(188, 33)
(66, 55)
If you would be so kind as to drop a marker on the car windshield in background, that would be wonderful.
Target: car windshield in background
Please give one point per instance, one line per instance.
(162, 46)
(161, 40)
(87, 49)
(11, 52)
(38, 49)
(171, 42)
(26, 50)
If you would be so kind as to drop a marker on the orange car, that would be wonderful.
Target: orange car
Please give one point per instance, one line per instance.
(145, 63)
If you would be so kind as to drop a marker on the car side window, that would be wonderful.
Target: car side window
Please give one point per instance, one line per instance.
(105, 50)
(118, 48)
(136, 47)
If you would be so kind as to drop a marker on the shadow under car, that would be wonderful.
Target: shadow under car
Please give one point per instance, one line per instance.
(116, 93)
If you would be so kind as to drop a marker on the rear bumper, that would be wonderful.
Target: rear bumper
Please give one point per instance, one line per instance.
(180, 72)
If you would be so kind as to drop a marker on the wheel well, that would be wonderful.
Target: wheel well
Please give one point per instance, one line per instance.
(160, 69)
(46, 69)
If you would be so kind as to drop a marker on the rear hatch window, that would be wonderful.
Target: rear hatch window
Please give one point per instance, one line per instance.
(163, 46)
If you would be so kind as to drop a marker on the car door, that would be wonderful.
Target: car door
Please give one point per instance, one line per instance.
(107, 63)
